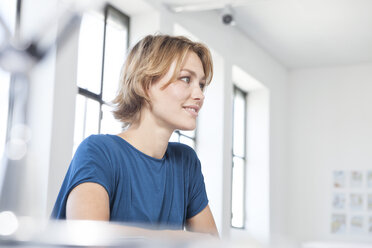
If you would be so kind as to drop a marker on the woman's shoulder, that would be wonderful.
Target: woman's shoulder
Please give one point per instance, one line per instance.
(101, 141)
(98, 148)
(179, 148)
(104, 138)
(99, 137)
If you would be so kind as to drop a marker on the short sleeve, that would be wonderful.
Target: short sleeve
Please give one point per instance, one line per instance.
(90, 164)
(198, 199)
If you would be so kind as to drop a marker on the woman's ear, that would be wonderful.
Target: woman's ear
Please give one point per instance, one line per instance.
(148, 90)
(148, 94)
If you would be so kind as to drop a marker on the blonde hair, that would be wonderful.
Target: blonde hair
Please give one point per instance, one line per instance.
(149, 60)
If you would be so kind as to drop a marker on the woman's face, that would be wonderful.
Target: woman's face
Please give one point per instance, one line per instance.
(177, 105)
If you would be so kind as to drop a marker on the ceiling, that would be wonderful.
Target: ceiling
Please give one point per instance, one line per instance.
(306, 33)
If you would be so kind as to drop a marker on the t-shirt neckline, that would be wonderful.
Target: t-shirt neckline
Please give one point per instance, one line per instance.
(138, 151)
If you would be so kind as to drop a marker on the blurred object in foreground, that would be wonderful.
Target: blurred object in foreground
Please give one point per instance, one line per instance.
(21, 175)
(28, 232)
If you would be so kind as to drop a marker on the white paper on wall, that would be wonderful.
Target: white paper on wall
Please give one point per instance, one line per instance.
(356, 224)
(356, 202)
(369, 202)
(339, 179)
(356, 179)
(338, 224)
(339, 201)
(369, 179)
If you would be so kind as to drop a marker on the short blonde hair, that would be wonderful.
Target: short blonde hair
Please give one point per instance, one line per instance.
(149, 60)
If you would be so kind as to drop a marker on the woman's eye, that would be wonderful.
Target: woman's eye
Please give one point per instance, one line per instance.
(202, 86)
(185, 79)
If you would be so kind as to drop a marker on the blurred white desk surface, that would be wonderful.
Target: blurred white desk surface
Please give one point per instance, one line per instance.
(336, 245)
(26, 232)
(29, 233)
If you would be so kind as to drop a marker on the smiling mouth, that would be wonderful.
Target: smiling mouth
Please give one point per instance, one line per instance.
(191, 111)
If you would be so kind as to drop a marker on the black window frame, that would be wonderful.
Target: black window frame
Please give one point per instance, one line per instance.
(99, 97)
(244, 157)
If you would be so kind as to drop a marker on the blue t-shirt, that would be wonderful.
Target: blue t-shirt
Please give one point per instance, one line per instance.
(141, 189)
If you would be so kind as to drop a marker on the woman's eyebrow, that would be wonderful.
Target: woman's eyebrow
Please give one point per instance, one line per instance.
(192, 73)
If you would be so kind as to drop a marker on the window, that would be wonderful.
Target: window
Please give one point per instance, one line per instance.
(8, 13)
(103, 44)
(238, 159)
(185, 137)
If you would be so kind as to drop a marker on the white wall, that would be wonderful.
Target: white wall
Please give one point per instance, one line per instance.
(329, 129)
(257, 197)
(258, 165)
(63, 115)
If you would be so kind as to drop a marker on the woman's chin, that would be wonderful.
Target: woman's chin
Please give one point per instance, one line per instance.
(187, 127)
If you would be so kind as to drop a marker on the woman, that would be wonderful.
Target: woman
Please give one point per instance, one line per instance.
(137, 176)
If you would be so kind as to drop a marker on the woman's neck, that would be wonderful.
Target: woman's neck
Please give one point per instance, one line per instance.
(148, 137)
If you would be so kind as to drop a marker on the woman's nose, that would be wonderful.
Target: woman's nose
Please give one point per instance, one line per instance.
(197, 93)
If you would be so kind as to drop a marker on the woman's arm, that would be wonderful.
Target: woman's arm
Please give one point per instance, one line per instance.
(90, 201)
(203, 222)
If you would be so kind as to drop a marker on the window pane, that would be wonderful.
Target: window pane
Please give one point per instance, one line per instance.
(90, 53)
(90, 118)
(187, 141)
(115, 51)
(237, 204)
(4, 100)
(239, 122)
(174, 137)
(86, 119)
(108, 123)
(190, 134)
